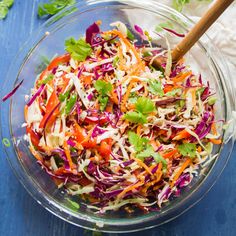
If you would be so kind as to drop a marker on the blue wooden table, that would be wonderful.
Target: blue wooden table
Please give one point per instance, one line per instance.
(20, 215)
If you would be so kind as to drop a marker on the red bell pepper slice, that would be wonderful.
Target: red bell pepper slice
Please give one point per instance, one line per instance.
(105, 148)
(59, 60)
(33, 137)
(52, 103)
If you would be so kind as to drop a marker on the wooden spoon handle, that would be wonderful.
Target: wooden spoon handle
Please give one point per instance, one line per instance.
(200, 28)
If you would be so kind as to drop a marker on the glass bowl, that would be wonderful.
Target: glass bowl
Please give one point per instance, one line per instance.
(48, 41)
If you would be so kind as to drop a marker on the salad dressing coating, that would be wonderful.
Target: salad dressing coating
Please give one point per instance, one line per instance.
(107, 126)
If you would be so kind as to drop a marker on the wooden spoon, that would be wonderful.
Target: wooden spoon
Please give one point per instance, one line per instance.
(196, 32)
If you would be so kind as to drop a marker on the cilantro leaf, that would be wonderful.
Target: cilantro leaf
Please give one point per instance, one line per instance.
(115, 61)
(138, 142)
(53, 7)
(135, 117)
(78, 49)
(145, 153)
(103, 87)
(103, 102)
(158, 158)
(3, 11)
(4, 7)
(144, 105)
(155, 87)
(8, 3)
(149, 152)
(187, 149)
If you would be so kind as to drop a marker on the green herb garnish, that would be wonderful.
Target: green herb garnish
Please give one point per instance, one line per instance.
(143, 149)
(138, 142)
(53, 7)
(4, 7)
(155, 87)
(187, 149)
(78, 49)
(103, 88)
(143, 107)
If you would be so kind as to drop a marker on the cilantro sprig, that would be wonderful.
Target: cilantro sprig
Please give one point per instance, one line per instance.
(53, 7)
(143, 107)
(155, 88)
(78, 49)
(5, 5)
(103, 88)
(143, 149)
(187, 149)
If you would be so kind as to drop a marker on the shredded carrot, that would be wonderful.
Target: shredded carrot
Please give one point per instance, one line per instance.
(109, 107)
(216, 141)
(126, 96)
(181, 77)
(87, 80)
(180, 171)
(129, 188)
(170, 154)
(168, 88)
(213, 128)
(131, 106)
(26, 112)
(182, 135)
(142, 164)
(155, 144)
(99, 22)
(158, 175)
(128, 44)
(68, 156)
(139, 130)
(113, 97)
(199, 149)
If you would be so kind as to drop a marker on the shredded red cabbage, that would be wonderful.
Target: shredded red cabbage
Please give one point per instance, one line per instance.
(12, 92)
(91, 32)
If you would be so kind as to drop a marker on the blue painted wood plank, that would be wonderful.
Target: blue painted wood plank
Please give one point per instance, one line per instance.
(21, 215)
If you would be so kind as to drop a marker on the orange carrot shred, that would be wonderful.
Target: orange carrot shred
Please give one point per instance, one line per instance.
(180, 171)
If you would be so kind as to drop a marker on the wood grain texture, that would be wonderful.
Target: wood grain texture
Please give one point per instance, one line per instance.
(209, 17)
(20, 215)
